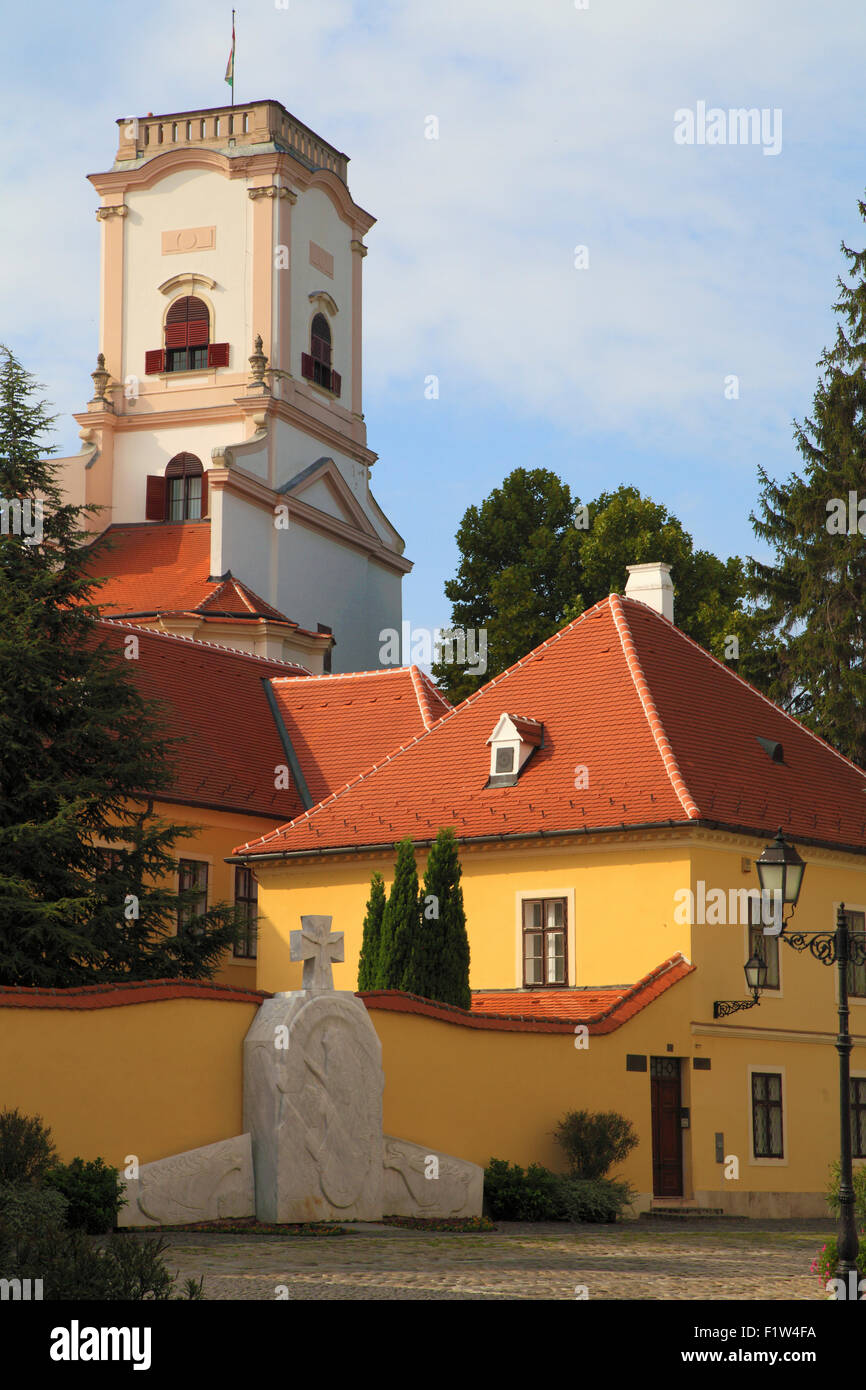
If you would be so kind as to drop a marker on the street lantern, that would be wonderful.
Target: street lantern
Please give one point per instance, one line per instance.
(780, 871)
(755, 970)
(756, 973)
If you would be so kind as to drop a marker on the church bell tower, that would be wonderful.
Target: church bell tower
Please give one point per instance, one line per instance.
(228, 389)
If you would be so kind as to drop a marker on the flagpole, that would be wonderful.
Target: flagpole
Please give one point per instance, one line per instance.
(233, 57)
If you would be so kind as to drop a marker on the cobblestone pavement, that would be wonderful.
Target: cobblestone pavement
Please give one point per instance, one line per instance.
(642, 1260)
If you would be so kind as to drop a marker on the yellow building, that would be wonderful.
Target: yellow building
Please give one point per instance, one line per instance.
(611, 794)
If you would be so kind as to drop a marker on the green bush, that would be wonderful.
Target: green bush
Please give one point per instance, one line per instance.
(593, 1199)
(93, 1191)
(514, 1195)
(536, 1194)
(859, 1191)
(26, 1149)
(45, 1227)
(31, 1221)
(35, 1243)
(594, 1142)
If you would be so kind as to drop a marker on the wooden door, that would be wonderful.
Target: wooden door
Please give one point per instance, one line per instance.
(666, 1127)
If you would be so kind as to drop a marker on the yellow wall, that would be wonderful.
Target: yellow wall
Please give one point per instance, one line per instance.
(807, 998)
(156, 1079)
(216, 834)
(144, 1079)
(621, 925)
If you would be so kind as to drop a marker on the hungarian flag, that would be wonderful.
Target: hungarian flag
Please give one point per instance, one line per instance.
(230, 65)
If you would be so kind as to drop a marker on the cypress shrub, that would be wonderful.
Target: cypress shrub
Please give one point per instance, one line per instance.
(371, 944)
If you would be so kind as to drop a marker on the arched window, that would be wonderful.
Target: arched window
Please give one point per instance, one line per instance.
(179, 494)
(316, 364)
(183, 486)
(187, 334)
(188, 347)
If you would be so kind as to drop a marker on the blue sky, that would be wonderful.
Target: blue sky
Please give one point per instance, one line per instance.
(555, 130)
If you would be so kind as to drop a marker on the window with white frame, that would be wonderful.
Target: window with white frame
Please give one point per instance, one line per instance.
(545, 922)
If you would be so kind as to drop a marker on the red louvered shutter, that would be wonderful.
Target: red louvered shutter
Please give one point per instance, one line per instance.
(154, 505)
(307, 366)
(154, 362)
(218, 355)
(176, 335)
(196, 333)
(204, 494)
(336, 383)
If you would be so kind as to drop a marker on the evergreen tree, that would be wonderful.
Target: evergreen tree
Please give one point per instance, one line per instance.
(514, 577)
(809, 615)
(400, 920)
(439, 965)
(533, 558)
(81, 753)
(371, 943)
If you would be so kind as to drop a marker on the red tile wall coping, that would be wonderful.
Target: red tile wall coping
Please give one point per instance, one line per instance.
(623, 1005)
(113, 996)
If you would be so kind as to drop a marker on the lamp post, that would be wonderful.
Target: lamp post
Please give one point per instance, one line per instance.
(780, 870)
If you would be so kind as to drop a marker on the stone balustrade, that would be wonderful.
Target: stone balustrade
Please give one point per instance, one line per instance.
(258, 123)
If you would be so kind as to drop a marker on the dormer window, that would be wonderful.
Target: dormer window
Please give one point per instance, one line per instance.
(188, 347)
(512, 742)
(316, 364)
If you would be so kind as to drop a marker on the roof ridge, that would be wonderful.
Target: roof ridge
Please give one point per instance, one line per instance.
(138, 629)
(648, 704)
(355, 675)
(420, 697)
(755, 691)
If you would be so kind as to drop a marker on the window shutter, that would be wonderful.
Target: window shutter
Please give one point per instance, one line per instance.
(154, 505)
(307, 366)
(336, 383)
(197, 333)
(204, 494)
(218, 355)
(154, 362)
(176, 335)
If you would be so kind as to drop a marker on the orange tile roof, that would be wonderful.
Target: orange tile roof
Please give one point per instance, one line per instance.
(602, 1010)
(659, 731)
(216, 698)
(164, 567)
(339, 724)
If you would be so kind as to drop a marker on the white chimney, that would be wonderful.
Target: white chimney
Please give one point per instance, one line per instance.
(651, 584)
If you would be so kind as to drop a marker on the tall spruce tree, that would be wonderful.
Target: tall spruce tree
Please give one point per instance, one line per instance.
(809, 614)
(81, 754)
(371, 941)
(400, 920)
(439, 964)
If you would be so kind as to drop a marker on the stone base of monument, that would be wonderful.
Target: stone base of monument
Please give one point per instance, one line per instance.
(421, 1182)
(206, 1184)
(313, 1085)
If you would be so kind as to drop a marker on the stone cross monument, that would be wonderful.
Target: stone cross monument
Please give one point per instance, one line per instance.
(313, 1085)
